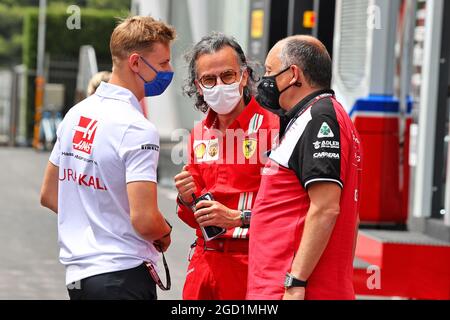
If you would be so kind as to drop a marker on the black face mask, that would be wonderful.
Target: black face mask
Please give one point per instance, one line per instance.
(268, 94)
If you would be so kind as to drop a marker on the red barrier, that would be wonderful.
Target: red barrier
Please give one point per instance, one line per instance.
(409, 269)
(383, 197)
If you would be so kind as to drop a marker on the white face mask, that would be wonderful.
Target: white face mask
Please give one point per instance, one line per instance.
(223, 98)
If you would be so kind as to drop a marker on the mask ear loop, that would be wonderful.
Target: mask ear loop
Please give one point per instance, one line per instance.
(282, 71)
(242, 75)
(240, 80)
(145, 81)
(149, 65)
(243, 69)
(294, 84)
(297, 84)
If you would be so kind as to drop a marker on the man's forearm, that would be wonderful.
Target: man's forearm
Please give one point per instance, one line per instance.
(316, 234)
(49, 189)
(50, 202)
(150, 226)
(54, 207)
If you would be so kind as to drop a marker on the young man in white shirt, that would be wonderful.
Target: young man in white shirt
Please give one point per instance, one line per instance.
(101, 175)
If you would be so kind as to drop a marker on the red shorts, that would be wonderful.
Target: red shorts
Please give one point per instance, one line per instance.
(218, 273)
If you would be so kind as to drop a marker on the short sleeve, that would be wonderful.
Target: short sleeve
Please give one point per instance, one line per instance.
(56, 152)
(317, 156)
(139, 152)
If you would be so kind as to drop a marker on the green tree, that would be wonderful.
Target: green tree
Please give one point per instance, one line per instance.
(109, 4)
(95, 4)
(20, 3)
(11, 21)
(62, 45)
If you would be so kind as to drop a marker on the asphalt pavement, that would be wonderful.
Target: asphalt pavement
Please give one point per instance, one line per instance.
(29, 266)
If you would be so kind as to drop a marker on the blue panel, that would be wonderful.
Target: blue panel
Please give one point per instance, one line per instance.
(379, 103)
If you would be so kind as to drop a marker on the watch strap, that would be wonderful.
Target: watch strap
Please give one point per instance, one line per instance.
(291, 281)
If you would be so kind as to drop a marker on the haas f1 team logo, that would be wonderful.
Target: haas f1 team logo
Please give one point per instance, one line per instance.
(84, 135)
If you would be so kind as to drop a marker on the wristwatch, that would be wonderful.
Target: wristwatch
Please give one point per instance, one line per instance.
(187, 205)
(245, 218)
(290, 281)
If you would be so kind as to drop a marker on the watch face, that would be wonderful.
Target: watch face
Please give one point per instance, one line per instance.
(288, 281)
(247, 215)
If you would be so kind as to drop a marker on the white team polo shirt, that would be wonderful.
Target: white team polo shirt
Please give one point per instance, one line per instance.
(103, 143)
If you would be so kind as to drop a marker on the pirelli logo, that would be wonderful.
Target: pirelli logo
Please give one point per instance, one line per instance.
(153, 147)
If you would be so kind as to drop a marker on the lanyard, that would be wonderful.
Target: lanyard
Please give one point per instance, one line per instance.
(155, 275)
(301, 111)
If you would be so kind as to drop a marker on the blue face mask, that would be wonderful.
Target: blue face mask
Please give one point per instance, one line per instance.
(159, 84)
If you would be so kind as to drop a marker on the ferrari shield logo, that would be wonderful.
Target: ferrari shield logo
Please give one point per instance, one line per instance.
(249, 147)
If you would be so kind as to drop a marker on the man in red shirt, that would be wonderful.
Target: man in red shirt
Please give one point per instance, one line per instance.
(305, 217)
(227, 151)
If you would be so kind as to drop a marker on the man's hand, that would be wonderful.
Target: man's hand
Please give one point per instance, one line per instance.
(294, 293)
(185, 185)
(213, 213)
(162, 244)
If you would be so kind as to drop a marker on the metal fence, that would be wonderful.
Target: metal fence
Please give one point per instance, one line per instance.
(13, 105)
(15, 109)
(5, 105)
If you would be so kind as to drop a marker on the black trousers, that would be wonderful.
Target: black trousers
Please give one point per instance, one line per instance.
(130, 284)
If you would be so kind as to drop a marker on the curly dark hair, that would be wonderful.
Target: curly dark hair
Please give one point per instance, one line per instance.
(210, 44)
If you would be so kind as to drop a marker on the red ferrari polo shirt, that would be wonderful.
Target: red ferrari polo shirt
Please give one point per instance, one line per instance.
(229, 165)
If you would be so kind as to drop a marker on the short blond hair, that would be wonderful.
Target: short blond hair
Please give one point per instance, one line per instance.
(138, 34)
(96, 80)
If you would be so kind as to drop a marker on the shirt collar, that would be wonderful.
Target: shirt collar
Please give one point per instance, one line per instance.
(305, 102)
(240, 122)
(112, 91)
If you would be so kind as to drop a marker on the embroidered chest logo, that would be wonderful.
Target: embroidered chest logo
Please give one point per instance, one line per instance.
(249, 147)
(200, 150)
(206, 150)
(84, 135)
(213, 149)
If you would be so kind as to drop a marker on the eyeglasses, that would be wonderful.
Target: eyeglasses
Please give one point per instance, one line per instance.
(208, 81)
